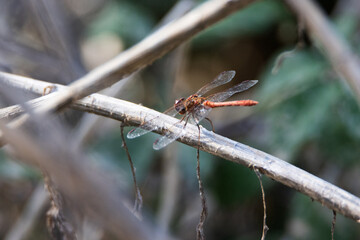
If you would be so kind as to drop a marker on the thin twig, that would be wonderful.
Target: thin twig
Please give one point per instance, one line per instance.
(290, 53)
(200, 227)
(138, 198)
(90, 123)
(333, 225)
(265, 227)
(285, 55)
(327, 194)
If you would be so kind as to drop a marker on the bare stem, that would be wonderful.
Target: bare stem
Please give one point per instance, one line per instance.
(333, 225)
(265, 227)
(138, 198)
(200, 227)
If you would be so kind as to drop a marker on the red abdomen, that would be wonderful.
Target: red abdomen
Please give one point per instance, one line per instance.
(230, 103)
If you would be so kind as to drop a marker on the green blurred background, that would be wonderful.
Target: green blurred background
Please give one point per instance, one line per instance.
(307, 116)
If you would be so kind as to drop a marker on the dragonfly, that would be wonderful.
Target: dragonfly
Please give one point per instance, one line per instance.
(196, 107)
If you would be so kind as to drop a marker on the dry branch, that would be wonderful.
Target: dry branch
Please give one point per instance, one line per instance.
(337, 50)
(327, 194)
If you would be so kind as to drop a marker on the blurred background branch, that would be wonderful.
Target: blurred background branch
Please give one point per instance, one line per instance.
(341, 56)
(24, 224)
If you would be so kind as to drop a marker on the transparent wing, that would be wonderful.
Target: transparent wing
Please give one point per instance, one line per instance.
(149, 125)
(199, 114)
(221, 79)
(169, 137)
(221, 96)
(192, 118)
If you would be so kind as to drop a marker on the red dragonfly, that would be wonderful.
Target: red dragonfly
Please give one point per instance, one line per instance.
(195, 108)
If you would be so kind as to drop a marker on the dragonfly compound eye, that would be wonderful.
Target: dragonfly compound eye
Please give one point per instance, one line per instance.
(179, 106)
(179, 101)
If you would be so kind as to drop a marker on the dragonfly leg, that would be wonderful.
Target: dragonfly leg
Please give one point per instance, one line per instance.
(212, 126)
(183, 118)
(187, 119)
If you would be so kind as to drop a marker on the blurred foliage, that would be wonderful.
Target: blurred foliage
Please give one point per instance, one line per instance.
(13, 170)
(120, 17)
(313, 221)
(256, 19)
(187, 164)
(231, 184)
(110, 148)
(306, 102)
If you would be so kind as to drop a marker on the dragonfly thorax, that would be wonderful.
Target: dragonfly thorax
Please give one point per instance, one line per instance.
(182, 105)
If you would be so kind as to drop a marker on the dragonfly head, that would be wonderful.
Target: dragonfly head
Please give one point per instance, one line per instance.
(180, 106)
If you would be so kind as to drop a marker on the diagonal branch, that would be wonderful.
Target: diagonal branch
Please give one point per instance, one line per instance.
(327, 194)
